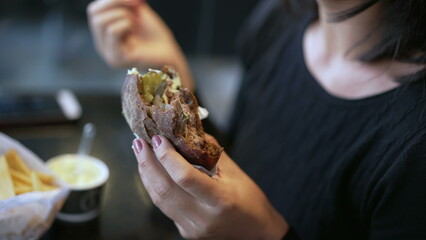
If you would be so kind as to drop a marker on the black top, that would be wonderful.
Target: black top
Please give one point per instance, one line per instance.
(334, 168)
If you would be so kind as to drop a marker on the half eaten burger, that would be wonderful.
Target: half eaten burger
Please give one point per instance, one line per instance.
(154, 103)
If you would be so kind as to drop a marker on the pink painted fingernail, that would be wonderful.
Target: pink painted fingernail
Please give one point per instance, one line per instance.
(137, 145)
(156, 141)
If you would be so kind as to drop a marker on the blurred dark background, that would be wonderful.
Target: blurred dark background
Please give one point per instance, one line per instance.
(45, 45)
(200, 26)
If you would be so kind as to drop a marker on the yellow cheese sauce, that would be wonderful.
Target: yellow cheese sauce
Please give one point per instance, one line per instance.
(77, 171)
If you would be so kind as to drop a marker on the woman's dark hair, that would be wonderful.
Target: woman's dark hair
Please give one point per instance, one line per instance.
(402, 31)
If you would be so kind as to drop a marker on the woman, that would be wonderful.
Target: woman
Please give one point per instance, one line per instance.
(329, 126)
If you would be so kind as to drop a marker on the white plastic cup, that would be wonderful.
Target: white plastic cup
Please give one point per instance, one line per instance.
(86, 177)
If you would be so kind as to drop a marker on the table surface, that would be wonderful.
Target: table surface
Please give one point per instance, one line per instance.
(127, 211)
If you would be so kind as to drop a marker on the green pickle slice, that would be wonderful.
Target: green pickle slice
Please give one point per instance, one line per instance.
(151, 81)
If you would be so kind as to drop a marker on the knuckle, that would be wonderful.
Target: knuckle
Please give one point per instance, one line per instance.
(164, 155)
(143, 165)
(185, 179)
(164, 191)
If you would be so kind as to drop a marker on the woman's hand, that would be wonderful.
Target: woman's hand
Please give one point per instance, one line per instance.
(228, 205)
(128, 33)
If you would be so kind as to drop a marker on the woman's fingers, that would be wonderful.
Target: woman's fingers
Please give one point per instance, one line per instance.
(176, 203)
(195, 182)
(165, 194)
(96, 7)
(115, 49)
(100, 23)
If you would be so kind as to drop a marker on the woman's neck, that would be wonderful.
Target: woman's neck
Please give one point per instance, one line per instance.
(347, 39)
(331, 51)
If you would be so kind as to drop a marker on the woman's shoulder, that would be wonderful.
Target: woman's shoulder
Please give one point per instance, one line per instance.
(409, 104)
(400, 194)
(406, 126)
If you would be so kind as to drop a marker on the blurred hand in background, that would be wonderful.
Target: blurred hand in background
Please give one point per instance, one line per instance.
(129, 33)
